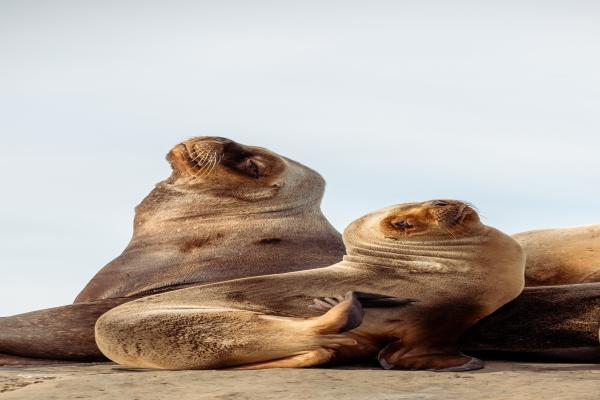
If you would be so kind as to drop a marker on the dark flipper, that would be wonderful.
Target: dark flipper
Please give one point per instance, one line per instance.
(374, 300)
(367, 300)
(60, 333)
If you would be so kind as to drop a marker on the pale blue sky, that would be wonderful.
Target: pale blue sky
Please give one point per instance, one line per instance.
(493, 102)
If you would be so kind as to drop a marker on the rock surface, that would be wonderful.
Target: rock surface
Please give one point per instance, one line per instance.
(499, 380)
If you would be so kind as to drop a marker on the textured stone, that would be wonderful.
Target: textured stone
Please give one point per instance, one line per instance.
(499, 380)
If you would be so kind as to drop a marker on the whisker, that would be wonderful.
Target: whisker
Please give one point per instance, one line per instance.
(200, 161)
(473, 206)
(206, 167)
(211, 164)
(201, 156)
(204, 160)
(449, 232)
(218, 158)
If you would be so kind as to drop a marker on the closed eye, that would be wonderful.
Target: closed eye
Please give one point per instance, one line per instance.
(254, 168)
(401, 224)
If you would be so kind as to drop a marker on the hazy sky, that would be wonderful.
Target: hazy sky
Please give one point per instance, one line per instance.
(492, 102)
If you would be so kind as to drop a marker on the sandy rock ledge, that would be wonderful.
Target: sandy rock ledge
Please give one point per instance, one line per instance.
(499, 380)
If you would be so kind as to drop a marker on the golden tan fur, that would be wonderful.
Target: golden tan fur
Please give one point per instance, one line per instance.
(561, 256)
(455, 269)
(227, 211)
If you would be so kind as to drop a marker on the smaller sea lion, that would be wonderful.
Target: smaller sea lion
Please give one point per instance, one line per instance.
(415, 277)
(561, 256)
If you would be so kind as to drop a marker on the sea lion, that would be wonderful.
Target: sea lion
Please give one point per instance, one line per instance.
(227, 211)
(416, 276)
(561, 256)
(544, 323)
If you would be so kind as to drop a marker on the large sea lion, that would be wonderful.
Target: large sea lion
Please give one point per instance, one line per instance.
(416, 275)
(227, 211)
(561, 256)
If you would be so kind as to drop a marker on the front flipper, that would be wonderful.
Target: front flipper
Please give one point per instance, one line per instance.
(396, 356)
(367, 300)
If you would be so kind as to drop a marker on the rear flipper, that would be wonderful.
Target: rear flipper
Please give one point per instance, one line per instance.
(346, 315)
(60, 333)
(420, 355)
(443, 359)
(367, 300)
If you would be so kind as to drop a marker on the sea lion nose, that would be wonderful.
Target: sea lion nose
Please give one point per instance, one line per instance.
(210, 139)
(439, 203)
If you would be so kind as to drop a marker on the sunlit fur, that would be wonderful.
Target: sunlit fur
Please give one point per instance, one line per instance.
(454, 279)
(561, 256)
(227, 211)
(217, 217)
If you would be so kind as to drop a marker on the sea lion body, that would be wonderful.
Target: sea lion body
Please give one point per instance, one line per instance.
(545, 323)
(409, 300)
(561, 256)
(227, 211)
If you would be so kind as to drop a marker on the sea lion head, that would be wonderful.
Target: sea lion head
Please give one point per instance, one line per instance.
(226, 169)
(433, 220)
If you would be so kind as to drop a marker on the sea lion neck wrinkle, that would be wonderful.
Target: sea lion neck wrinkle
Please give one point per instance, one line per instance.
(203, 206)
(366, 247)
(298, 190)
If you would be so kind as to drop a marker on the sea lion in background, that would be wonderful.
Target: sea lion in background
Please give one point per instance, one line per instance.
(416, 275)
(227, 211)
(561, 256)
(545, 323)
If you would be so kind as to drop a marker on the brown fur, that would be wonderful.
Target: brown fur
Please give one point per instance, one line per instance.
(455, 269)
(561, 256)
(215, 218)
(544, 323)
